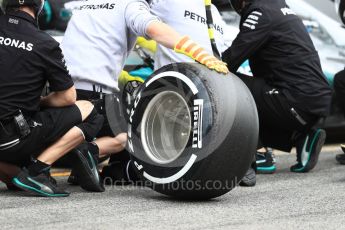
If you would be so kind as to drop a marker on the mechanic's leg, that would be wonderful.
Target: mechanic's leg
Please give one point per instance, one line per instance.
(339, 86)
(70, 140)
(66, 143)
(248, 80)
(111, 145)
(31, 180)
(120, 169)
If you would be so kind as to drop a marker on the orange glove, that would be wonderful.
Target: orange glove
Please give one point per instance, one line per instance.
(187, 47)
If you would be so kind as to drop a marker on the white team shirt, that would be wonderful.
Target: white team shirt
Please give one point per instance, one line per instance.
(188, 17)
(99, 38)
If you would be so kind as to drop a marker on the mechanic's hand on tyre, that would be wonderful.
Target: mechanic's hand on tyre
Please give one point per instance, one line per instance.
(215, 64)
(128, 86)
(188, 47)
(129, 83)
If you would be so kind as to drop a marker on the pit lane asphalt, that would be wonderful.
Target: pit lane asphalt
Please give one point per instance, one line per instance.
(282, 200)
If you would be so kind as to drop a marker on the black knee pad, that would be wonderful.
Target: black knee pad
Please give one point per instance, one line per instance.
(91, 125)
(339, 80)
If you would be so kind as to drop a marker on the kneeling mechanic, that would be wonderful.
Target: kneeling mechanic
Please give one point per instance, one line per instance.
(36, 131)
(289, 88)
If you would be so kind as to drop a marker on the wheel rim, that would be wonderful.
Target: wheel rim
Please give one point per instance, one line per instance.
(166, 127)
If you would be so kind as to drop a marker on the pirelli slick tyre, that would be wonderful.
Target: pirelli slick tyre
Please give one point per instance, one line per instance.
(192, 132)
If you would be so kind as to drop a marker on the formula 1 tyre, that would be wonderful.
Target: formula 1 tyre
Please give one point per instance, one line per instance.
(192, 132)
(114, 113)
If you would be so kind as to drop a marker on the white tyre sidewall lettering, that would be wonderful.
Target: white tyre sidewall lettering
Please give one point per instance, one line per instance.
(197, 126)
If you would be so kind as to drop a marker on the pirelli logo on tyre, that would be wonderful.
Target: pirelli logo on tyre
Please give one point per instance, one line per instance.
(197, 123)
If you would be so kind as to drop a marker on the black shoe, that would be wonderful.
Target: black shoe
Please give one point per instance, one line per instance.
(296, 167)
(13, 188)
(85, 167)
(265, 163)
(72, 179)
(308, 150)
(112, 174)
(249, 180)
(341, 157)
(119, 173)
(41, 185)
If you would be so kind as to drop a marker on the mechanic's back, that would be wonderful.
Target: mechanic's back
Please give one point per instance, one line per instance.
(36, 131)
(289, 88)
(26, 61)
(279, 48)
(187, 17)
(103, 26)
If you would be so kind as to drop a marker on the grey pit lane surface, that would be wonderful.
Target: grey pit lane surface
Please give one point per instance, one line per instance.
(282, 200)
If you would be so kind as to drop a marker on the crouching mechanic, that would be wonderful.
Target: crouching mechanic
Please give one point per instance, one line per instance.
(339, 79)
(97, 41)
(289, 88)
(339, 87)
(36, 131)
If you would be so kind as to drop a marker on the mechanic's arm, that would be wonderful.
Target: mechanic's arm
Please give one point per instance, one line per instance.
(60, 98)
(163, 34)
(254, 33)
(143, 23)
(60, 82)
(168, 37)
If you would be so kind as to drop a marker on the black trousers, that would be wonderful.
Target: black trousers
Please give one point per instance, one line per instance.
(279, 119)
(53, 123)
(339, 87)
(95, 98)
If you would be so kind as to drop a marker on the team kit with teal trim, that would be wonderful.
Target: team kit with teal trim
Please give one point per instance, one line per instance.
(39, 62)
(289, 88)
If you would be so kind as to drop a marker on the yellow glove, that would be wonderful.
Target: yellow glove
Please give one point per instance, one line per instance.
(129, 83)
(187, 47)
(150, 45)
